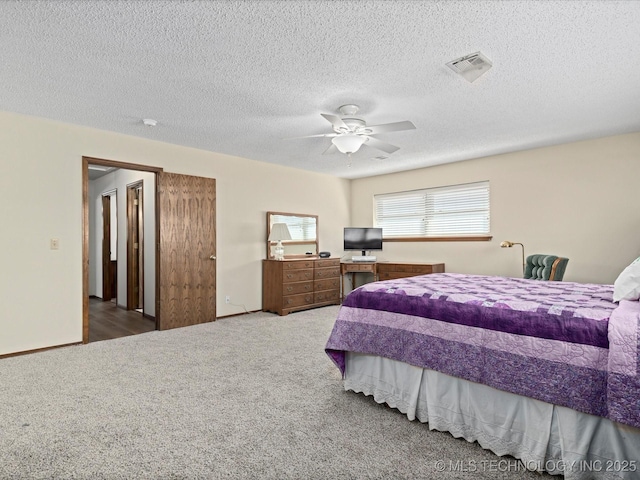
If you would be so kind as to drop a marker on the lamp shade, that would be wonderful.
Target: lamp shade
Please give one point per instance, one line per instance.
(279, 231)
(348, 143)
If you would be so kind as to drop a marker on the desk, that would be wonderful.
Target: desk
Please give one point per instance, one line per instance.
(356, 267)
(386, 270)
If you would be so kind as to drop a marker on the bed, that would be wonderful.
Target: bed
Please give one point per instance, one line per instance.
(543, 371)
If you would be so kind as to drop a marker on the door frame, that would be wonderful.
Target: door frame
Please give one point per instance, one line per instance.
(86, 161)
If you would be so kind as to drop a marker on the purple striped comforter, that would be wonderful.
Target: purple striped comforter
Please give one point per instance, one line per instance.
(560, 342)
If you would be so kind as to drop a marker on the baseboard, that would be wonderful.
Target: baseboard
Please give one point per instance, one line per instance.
(27, 352)
(238, 314)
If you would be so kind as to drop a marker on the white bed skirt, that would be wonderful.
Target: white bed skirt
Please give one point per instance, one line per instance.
(544, 437)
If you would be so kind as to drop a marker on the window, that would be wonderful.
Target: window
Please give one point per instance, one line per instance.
(451, 211)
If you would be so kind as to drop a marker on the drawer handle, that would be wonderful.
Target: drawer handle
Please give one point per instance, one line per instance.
(307, 274)
(319, 274)
(289, 275)
(308, 287)
(289, 289)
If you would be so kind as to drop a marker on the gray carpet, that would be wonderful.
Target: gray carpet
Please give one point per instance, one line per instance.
(252, 396)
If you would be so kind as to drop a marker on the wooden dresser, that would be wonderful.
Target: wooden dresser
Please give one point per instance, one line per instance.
(389, 271)
(300, 284)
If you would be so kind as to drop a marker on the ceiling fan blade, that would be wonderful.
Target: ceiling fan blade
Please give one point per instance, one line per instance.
(335, 121)
(380, 145)
(389, 127)
(332, 149)
(319, 135)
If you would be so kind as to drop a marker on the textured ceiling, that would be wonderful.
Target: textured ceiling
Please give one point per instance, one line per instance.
(244, 77)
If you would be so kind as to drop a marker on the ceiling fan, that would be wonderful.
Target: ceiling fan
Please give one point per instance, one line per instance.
(351, 132)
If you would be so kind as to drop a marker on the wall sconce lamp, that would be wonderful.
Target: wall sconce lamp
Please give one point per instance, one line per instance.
(508, 244)
(279, 232)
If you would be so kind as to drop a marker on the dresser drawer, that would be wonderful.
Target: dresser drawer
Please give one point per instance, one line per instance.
(326, 296)
(395, 267)
(402, 270)
(421, 269)
(327, 284)
(413, 269)
(330, 272)
(297, 265)
(297, 300)
(327, 262)
(394, 275)
(297, 276)
(297, 287)
(358, 267)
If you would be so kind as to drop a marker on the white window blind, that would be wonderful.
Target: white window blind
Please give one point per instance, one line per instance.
(301, 228)
(455, 210)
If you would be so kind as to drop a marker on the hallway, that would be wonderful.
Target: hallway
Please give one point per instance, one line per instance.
(107, 321)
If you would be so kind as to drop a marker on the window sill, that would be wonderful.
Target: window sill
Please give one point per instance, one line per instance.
(474, 238)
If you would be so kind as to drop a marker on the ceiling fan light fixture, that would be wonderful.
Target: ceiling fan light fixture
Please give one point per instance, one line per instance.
(348, 143)
(349, 132)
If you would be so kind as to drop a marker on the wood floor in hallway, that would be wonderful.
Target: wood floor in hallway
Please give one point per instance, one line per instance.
(107, 321)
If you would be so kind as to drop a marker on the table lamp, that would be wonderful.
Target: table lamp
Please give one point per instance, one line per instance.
(279, 232)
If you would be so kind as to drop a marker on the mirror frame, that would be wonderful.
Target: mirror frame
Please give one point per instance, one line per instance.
(291, 242)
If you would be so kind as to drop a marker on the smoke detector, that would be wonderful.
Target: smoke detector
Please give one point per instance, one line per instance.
(149, 122)
(471, 66)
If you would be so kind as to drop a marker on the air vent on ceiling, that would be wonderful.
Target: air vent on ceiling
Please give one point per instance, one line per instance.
(471, 66)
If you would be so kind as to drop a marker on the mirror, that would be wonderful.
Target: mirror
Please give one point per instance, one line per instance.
(304, 234)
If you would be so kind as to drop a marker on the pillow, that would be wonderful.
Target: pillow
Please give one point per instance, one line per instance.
(627, 285)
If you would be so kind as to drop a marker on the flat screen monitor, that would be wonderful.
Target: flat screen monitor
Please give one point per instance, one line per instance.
(362, 238)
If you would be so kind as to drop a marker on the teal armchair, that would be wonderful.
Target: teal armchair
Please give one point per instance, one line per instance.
(545, 267)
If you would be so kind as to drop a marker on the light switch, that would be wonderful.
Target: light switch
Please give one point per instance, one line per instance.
(55, 244)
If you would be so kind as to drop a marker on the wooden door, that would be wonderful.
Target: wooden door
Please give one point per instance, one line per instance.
(187, 250)
(135, 258)
(107, 273)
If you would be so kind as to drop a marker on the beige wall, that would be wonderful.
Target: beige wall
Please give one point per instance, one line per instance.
(579, 200)
(41, 191)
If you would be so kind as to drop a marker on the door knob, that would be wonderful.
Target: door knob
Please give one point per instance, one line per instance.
(212, 257)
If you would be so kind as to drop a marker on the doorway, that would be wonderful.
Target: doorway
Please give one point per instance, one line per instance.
(183, 241)
(113, 195)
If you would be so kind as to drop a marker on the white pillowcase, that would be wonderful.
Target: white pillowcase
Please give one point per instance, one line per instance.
(627, 285)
